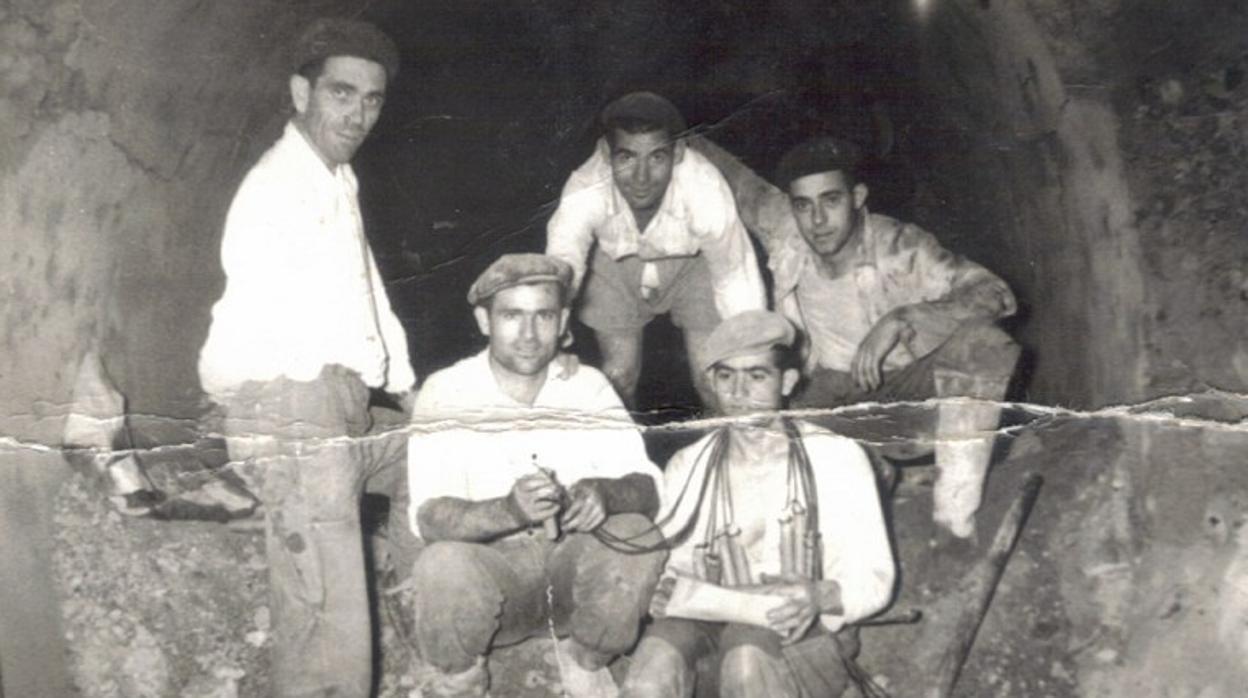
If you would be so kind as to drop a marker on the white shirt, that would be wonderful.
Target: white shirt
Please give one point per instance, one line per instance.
(472, 441)
(698, 214)
(856, 551)
(302, 289)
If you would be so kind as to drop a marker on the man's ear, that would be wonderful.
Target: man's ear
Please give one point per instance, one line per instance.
(788, 381)
(482, 314)
(563, 320)
(860, 195)
(300, 92)
(678, 151)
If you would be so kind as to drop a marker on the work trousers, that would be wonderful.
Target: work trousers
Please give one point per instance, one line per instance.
(471, 597)
(305, 450)
(977, 349)
(748, 661)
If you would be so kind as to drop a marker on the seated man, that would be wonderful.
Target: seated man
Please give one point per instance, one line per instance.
(891, 315)
(768, 506)
(668, 236)
(514, 501)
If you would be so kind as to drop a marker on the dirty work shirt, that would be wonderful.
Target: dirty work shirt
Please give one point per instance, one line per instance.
(899, 265)
(697, 215)
(302, 289)
(856, 551)
(472, 441)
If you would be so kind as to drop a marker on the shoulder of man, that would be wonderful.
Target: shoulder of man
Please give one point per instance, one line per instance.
(591, 175)
(698, 173)
(889, 236)
(454, 381)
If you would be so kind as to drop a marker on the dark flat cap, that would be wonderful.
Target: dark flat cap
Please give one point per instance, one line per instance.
(338, 36)
(644, 107)
(516, 269)
(824, 154)
(750, 332)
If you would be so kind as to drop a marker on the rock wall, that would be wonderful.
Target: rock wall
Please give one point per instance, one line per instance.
(124, 128)
(1093, 153)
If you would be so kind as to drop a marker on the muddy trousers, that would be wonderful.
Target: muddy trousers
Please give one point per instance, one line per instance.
(304, 449)
(746, 662)
(471, 597)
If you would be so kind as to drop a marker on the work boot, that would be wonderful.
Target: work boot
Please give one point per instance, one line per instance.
(579, 682)
(965, 433)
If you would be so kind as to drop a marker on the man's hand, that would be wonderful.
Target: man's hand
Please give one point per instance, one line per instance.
(407, 401)
(792, 619)
(662, 594)
(875, 347)
(536, 497)
(586, 510)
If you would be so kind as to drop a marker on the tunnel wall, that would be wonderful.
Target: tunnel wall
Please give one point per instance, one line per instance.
(1038, 161)
(124, 129)
(1095, 153)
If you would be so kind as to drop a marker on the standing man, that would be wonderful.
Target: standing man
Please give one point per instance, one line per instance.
(534, 490)
(784, 513)
(891, 315)
(669, 239)
(302, 333)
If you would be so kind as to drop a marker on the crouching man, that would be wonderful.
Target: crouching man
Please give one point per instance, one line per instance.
(523, 478)
(778, 538)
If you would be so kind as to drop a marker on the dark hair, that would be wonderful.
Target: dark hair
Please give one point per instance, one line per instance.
(642, 112)
(823, 154)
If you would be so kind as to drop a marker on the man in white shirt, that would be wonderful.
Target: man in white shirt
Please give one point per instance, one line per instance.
(534, 490)
(303, 331)
(668, 236)
(784, 511)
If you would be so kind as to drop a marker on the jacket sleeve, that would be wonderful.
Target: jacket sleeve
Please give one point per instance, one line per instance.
(735, 276)
(856, 550)
(952, 287)
(570, 231)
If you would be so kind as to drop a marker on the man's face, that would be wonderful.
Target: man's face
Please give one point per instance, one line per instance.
(750, 383)
(641, 165)
(524, 324)
(827, 210)
(339, 109)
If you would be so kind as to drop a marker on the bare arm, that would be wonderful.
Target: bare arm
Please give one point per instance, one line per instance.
(633, 493)
(534, 498)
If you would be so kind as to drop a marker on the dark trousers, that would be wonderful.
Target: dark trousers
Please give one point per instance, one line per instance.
(746, 661)
(304, 449)
(471, 596)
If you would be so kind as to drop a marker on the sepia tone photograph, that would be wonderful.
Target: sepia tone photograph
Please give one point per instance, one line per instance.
(805, 348)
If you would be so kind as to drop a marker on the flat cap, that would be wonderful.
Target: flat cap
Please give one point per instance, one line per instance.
(516, 269)
(750, 332)
(644, 107)
(824, 154)
(338, 36)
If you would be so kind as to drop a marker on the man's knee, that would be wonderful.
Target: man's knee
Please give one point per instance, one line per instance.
(749, 670)
(621, 357)
(980, 347)
(657, 670)
(441, 569)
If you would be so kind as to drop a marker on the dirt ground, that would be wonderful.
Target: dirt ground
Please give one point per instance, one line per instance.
(1124, 544)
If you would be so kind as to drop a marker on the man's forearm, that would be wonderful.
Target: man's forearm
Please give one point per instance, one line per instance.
(452, 518)
(634, 493)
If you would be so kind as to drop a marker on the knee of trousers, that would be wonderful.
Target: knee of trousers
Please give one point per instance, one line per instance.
(657, 670)
(747, 670)
(613, 588)
(980, 348)
(455, 621)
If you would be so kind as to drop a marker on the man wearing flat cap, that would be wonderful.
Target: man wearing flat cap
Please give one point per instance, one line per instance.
(891, 315)
(301, 338)
(651, 228)
(512, 500)
(780, 511)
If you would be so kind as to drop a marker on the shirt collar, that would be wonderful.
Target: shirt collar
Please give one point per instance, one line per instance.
(305, 157)
(553, 377)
